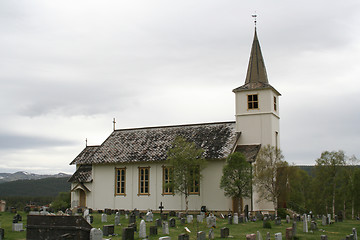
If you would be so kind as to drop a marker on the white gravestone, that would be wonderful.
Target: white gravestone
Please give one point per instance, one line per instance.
(17, 227)
(86, 213)
(278, 236)
(200, 218)
(236, 219)
(103, 217)
(165, 238)
(305, 224)
(96, 234)
(211, 221)
(149, 216)
(165, 228)
(258, 236)
(142, 230)
(190, 218)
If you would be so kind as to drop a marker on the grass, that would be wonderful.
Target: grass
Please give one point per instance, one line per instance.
(334, 231)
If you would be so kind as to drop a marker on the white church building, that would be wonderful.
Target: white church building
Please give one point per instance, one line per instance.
(129, 170)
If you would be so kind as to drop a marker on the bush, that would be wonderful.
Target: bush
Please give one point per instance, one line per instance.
(281, 213)
(266, 224)
(62, 202)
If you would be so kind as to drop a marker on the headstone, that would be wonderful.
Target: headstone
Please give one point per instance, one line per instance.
(289, 233)
(236, 218)
(96, 234)
(251, 236)
(88, 219)
(132, 218)
(355, 233)
(258, 236)
(201, 236)
(128, 233)
(158, 222)
(172, 222)
(294, 229)
(153, 230)
(211, 233)
(287, 219)
(182, 220)
(172, 213)
(17, 227)
(142, 229)
(278, 236)
(211, 221)
(164, 216)
(134, 226)
(323, 237)
(117, 220)
(267, 236)
(329, 218)
(165, 228)
(323, 222)
(126, 216)
(108, 230)
(308, 218)
(189, 218)
(305, 224)
(183, 236)
(313, 225)
(149, 216)
(165, 238)
(103, 217)
(2, 233)
(277, 221)
(241, 219)
(86, 213)
(230, 220)
(350, 237)
(199, 218)
(224, 232)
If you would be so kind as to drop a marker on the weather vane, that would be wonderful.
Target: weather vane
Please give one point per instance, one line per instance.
(114, 124)
(255, 17)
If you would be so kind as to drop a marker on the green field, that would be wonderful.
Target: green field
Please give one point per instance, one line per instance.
(334, 231)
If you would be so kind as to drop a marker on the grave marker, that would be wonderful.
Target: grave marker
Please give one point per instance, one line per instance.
(224, 232)
(201, 236)
(96, 234)
(153, 230)
(128, 233)
(258, 236)
(183, 236)
(142, 229)
(165, 228)
(108, 230)
(278, 236)
(172, 222)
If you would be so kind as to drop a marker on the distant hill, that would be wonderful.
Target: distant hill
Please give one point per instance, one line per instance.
(8, 177)
(39, 187)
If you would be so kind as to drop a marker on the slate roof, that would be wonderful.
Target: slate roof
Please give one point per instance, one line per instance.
(151, 144)
(256, 77)
(249, 151)
(82, 174)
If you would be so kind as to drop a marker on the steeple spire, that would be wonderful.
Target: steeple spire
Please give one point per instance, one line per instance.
(256, 72)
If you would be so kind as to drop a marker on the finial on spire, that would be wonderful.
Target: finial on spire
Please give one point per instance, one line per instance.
(86, 142)
(114, 122)
(255, 18)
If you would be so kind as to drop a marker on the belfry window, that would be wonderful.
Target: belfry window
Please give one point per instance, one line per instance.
(253, 102)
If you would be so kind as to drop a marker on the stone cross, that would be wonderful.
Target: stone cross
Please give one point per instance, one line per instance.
(161, 207)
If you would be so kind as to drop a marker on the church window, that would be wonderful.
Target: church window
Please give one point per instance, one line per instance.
(195, 181)
(167, 179)
(275, 107)
(253, 102)
(120, 184)
(144, 181)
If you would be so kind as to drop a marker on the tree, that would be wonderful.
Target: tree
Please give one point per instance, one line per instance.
(237, 178)
(327, 170)
(267, 165)
(187, 162)
(62, 201)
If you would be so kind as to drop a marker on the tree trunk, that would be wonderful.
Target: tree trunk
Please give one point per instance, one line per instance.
(352, 209)
(186, 204)
(333, 200)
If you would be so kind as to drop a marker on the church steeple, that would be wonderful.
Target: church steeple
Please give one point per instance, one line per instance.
(256, 72)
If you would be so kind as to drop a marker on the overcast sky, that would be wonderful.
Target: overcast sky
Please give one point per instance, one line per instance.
(67, 68)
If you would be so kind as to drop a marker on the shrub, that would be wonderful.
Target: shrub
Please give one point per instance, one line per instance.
(281, 213)
(267, 224)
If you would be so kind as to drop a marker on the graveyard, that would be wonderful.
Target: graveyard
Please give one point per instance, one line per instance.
(188, 227)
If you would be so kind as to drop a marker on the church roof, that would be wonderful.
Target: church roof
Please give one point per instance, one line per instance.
(82, 174)
(256, 77)
(151, 144)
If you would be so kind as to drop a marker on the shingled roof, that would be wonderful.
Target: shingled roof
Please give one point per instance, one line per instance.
(152, 144)
(82, 175)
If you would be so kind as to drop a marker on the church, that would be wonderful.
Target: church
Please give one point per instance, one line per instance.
(129, 169)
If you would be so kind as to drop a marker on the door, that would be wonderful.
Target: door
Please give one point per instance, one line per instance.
(82, 200)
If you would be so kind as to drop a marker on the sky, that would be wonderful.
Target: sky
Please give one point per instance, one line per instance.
(67, 68)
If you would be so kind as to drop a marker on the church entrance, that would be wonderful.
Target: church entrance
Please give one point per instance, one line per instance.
(82, 198)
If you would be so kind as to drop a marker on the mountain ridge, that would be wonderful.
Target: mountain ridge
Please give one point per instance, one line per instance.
(24, 175)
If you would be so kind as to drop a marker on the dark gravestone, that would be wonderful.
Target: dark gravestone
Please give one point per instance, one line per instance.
(107, 211)
(122, 212)
(164, 216)
(224, 232)
(41, 227)
(183, 236)
(230, 219)
(2, 233)
(172, 222)
(241, 219)
(294, 229)
(91, 219)
(182, 220)
(158, 222)
(108, 230)
(136, 212)
(323, 237)
(172, 213)
(100, 211)
(277, 221)
(289, 233)
(153, 230)
(90, 211)
(246, 211)
(132, 218)
(79, 210)
(133, 225)
(128, 234)
(313, 225)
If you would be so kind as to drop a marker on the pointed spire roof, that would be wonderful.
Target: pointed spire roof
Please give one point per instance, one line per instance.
(256, 77)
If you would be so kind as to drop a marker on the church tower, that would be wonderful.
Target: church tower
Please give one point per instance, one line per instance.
(257, 104)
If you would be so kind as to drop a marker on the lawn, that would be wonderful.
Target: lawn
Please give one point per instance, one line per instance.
(334, 231)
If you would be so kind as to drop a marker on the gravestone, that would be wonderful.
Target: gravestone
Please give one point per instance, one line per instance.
(165, 238)
(267, 236)
(224, 232)
(165, 228)
(241, 219)
(277, 221)
(126, 216)
(323, 237)
(117, 220)
(141, 215)
(258, 236)
(305, 224)
(251, 236)
(246, 211)
(134, 226)
(236, 218)
(86, 213)
(88, 219)
(329, 218)
(308, 218)
(128, 233)
(96, 234)
(108, 230)
(211, 233)
(17, 227)
(230, 219)
(201, 235)
(199, 218)
(172, 213)
(149, 216)
(164, 216)
(189, 218)
(182, 220)
(142, 229)
(294, 229)
(107, 211)
(158, 222)
(289, 233)
(211, 221)
(132, 218)
(324, 220)
(172, 222)
(103, 218)
(278, 236)
(313, 225)
(153, 230)
(350, 237)
(355, 233)
(259, 216)
(183, 236)
(2, 233)
(287, 219)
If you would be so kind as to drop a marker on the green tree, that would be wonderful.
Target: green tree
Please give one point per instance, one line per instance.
(62, 201)
(356, 190)
(187, 162)
(327, 169)
(237, 178)
(300, 184)
(268, 163)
